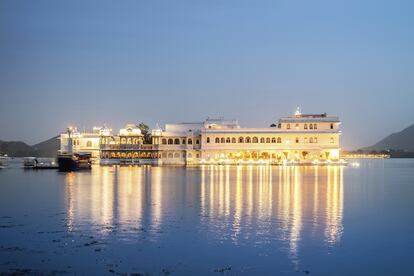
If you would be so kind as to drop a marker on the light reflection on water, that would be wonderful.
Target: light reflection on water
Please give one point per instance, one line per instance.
(241, 204)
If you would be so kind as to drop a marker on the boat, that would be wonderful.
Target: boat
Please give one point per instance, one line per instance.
(74, 161)
(39, 163)
(3, 161)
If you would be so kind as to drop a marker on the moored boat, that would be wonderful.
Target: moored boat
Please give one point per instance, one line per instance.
(74, 162)
(3, 161)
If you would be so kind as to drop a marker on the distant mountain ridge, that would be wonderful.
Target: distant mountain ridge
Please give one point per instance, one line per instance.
(46, 148)
(403, 140)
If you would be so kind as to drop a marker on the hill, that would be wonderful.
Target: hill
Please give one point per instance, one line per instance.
(403, 140)
(47, 148)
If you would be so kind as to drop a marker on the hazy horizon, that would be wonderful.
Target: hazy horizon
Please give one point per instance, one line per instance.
(89, 63)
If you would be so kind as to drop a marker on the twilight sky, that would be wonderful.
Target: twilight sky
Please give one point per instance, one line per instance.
(87, 63)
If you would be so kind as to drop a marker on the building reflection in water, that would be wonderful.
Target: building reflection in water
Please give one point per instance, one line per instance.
(286, 205)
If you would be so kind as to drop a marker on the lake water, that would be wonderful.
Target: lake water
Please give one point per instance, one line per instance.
(211, 220)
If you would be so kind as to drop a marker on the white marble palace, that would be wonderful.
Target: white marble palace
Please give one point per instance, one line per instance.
(302, 138)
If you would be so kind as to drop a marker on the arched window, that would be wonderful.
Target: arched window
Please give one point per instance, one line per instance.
(190, 155)
(315, 140)
(305, 126)
(255, 140)
(190, 141)
(197, 142)
(183, 142)
(248, 140)
(332, 140)
(267, 140)
(217, 140)
(164, 155)
(262, 140)
(89, 143)
(297, 140)
(310, 126)
(228, 140)
(208, 139)
(176, 155)
(123, 140)
(129, 141)
(233, 140)
(164, 141)
(332, 126)
(297, 126)
(170, 141)
(129, 155)
(135, 155)
(311, 140)
(170, 155)
(143, 155)
(223, 140)
(273, 140)
(315, 126)
(305, 140)
(279, 140)
(177, 141)
(123, 155)
(241, 140)
(288, 126)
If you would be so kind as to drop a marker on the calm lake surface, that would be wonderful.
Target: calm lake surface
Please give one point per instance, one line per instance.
(212, 220)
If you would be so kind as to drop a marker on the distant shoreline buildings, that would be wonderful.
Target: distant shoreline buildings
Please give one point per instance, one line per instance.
(301, 139)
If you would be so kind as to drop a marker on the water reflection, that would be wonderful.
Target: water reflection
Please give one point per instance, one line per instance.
(284, 205)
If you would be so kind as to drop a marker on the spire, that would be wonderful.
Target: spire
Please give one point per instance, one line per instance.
(297, 112)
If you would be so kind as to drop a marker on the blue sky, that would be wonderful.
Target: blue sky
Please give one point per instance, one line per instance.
(86, 63)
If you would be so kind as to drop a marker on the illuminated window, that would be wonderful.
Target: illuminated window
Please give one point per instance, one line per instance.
(208, 139)
(262, 140)
(241, 140)
(279, 140)
(190, 141)
(177, 141)
(217, 140)
(255, 140)
(233, 140)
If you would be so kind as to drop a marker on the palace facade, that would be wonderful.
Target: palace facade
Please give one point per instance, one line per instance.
(302, 138)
